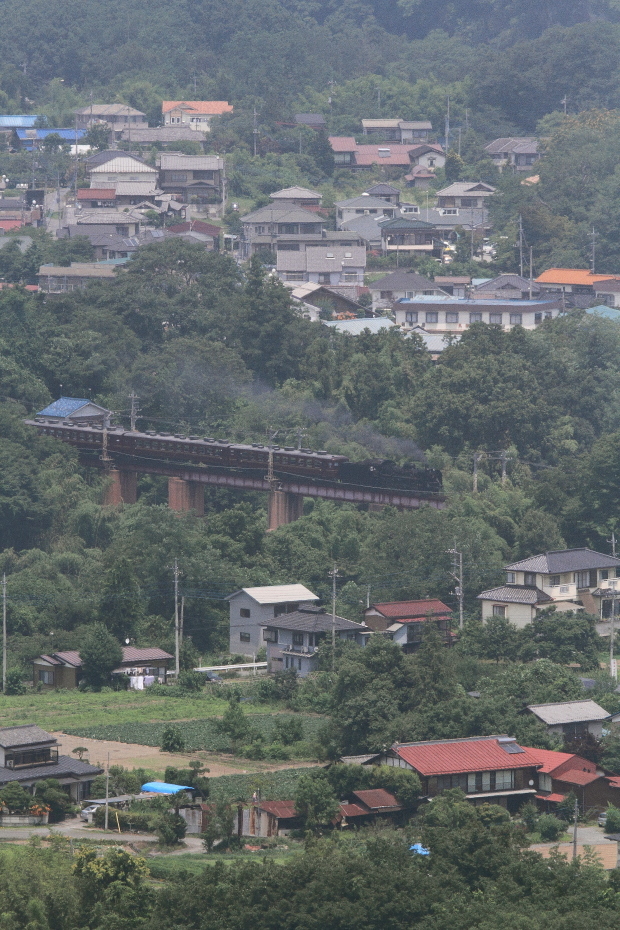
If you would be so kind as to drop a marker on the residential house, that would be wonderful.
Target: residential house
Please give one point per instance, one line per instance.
(420, 177)
(506, 287)
(571, 719)
(251, 610)
(122, 167)
(516, 153)
(142, 667)
(350, 154)
(197, 114)
(56, 279)
(107, 244)
(435, 343)
(192, 178)
(576, 286)
(313, 297)
(454, 285)
(489, 769)
(464, 194)
(163, 135)
(402, 285)
(77, 409)
(93, 198)
(278, 818)
(367, 229)
(397, 130)
(445, 314)
(608, 292)
(29, 755)
(31, 139)
(326, 264)
(568, 579)
(263, 227)
(297, 197)
(384, 192)
(293, 639)
(563, 773)
(379, 617)
(314, 121)
(363, 206)
(118, 116)
(409, 236)
(118, 221)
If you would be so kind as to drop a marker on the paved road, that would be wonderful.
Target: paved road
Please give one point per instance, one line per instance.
(75, 829)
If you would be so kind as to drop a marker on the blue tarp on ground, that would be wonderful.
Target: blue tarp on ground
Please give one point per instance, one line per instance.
(162, 787)
(419, 849)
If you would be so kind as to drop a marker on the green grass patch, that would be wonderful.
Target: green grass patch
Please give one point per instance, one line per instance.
(197, 734)
(166, 867)
(73, 711)
(273, 786)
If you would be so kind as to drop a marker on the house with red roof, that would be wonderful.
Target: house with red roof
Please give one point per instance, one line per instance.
(350, 154)
(562, 773)
(277, 818)
(403, 621)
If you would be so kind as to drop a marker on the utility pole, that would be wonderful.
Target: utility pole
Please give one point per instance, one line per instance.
(459, 141)
(301, 432)
(576, 815)
(612, 631)
(367, 596)
(107, 792)
(448, 127)
(4, 633)
(531, 266)
(612, 541)
(176, 617)
(520, 245)
(255, 132)
(182, 620)
(457, 574)
(334, 575)
(477, 457)
(503, 458)
(133, 416)
(593, 249)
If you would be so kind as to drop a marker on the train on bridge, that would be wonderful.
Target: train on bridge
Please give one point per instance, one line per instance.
(251, 458)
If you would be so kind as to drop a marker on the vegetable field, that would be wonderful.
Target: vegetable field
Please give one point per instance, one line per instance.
(273, 786)
(197, 734)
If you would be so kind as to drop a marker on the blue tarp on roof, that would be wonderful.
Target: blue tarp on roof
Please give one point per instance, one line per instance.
(63, 407)
(68, 134)
(17, 122)
(609, 313)
(162, 787)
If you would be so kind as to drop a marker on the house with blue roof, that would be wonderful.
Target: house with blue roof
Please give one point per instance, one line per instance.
(74, 408)
(30, 139)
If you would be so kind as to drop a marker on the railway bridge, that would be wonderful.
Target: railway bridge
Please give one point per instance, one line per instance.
(192, 463)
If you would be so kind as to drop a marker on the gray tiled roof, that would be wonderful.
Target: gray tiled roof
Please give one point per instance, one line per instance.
(515, 594)
(314, 621)
(564, 560)
(568, 712)
(27, 735)
(279, 213)
(65, 768)
(404, 281)
(366, 202)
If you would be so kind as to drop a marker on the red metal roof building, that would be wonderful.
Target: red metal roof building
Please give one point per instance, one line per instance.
(379, 616)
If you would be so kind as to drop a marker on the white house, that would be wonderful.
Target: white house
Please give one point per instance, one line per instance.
(571, 718)
(251, 609)
(402, 285)
(196, 114)
(445, 314)
(568, 579)
(123, 167)
(323, 264)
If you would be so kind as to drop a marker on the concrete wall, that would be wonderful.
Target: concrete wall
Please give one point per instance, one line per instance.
(519, 614)
(252, 626)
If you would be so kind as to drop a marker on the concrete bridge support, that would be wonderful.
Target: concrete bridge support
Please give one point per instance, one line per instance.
(186, 495)
(283, 507)
(122, 487)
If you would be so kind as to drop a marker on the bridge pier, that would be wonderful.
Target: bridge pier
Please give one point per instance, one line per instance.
(282, 508)
(122, 487)
(186, 495)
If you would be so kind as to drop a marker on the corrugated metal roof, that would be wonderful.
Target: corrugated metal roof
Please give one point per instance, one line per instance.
(557, 561)
(378, 799)
(478, 754)
(109, 109)
(278, 594)
(410, 609)
(515, 594)
(576, 776)
(63, 407)
(570, 276)
(123, 163)
(96, 193)
(131, 654)
(569, 712)
(556, 798)
(290, 192)
(281, 809)
(356, 327)
(553, 763)
(17, 122)
(351, 810)
(27, 735)
(190, 162)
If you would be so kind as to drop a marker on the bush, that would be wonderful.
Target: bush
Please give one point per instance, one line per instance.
(288, 730)
(612, 824)
(170, 829)
(172, 740)
(529, 816)
(191, 681)
(128, 821)
(14, 683)
(15, 798)
(550, 828)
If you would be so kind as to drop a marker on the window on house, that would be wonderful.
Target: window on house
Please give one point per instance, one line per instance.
(538, 317)
(495, 318)
(499, 610)
(516, 319)
(445, 782)
(544, 782)
(585, 579)
(452, 317)
(504, 780)
(475, 318)
(432, 316)
(270, 635)
(349, 277)
(511, 577)
(244, 612)
(604, 575)
(385, 295)
(411, 316)
(529, 578)
(298, 639)
(244, 637)
(556, 580)
(178, 176)
(324, 277)
(548, 315)
(46, 677)
(383, 153)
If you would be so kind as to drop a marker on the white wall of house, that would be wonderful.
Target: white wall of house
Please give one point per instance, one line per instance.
(455, 319)
(248, 619)
(519, 614)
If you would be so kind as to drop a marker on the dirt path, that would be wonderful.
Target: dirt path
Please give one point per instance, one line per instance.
(135, 755)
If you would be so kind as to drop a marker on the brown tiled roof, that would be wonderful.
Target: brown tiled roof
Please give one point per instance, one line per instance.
(378, 799)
